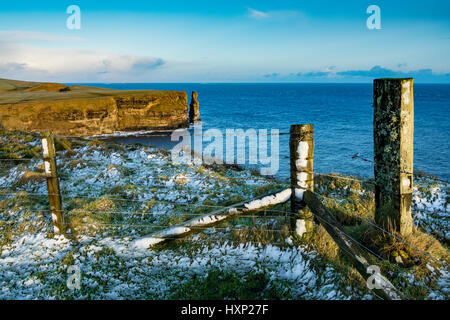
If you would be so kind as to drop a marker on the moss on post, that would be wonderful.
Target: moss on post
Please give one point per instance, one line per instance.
(393, 126)
(301, 146)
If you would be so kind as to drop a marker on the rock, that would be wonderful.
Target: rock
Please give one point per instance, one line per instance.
(49, 87)
(86, 111)
(194, 113)
(65, 89)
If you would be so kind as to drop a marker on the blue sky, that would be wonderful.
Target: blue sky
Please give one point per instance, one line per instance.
(225, 41)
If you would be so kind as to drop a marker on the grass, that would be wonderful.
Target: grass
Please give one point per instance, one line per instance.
(218, 284)
(30, 177)
(31, 221)
(15, 146)
(404, 252)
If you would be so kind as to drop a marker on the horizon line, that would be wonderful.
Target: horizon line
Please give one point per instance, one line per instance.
(218, 82)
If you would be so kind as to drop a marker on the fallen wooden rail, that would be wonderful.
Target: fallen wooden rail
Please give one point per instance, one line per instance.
(198, 224)
(359, 257)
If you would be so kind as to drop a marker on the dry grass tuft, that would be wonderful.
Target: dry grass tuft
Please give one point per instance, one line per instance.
(30, 177)
(261, 234)
(92, 217)
(397, 251)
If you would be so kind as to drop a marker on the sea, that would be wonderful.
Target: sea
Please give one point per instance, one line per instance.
(342, 116)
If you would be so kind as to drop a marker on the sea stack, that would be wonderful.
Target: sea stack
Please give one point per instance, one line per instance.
(194, 113)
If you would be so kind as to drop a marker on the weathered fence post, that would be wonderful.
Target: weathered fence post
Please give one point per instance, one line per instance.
(51, 174)
(393, 125)
(301, 146)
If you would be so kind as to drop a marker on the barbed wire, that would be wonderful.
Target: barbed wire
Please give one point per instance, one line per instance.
(175, 179)
(147, 214)
(338, 176)
(19, 159)
(218, 206)
(164, 227)
(178, 178)
(115, 197)
(356, 156)
(359, 156)
(212, 176)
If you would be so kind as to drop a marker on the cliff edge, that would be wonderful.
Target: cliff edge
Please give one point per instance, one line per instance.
(84, 111)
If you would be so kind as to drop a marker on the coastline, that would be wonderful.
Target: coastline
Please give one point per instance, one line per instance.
(86, 111)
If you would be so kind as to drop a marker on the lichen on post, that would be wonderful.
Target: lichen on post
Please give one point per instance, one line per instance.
(301, 146)
(393, 126)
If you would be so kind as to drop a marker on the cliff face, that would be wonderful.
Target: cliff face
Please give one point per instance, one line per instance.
(84, 111)
(165, 110)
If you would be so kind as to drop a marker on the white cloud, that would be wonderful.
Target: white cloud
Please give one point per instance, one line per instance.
(256, 14)
(18, 35)
(276, 14)
(30, 62)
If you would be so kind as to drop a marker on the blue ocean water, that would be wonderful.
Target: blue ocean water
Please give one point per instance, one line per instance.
(342, 116)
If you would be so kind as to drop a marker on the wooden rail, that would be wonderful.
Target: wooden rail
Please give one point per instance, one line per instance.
(211, 219)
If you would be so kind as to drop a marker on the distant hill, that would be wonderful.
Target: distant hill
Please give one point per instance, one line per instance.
(13, 91)
(16, 85)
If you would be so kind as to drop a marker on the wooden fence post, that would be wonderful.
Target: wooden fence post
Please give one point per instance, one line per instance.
(51, 174)
(301, 147)
(393, 125)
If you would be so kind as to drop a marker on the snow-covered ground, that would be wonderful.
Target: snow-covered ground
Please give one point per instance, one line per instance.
(139, 188)
(112, 195)
(35, 267)
(431, 207)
